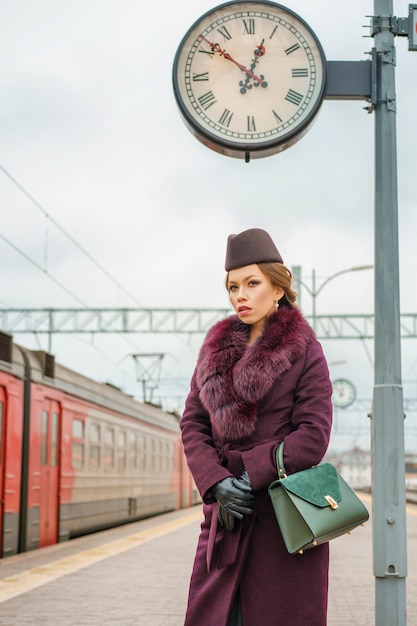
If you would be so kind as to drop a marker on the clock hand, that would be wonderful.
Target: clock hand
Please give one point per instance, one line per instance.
(215, 46)
(258, 52)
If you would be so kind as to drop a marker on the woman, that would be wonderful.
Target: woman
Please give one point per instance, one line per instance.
(261, 378)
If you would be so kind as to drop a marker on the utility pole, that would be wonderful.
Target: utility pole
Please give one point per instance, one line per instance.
(148, 370)
(314, 290)
(388, 454)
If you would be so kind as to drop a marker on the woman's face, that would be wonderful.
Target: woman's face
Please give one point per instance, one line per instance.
(252, 296)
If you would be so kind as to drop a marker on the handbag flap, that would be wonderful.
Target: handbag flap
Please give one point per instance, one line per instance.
(314, 484)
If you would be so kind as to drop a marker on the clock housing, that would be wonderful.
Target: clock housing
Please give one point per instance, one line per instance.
(249, 78)
(344, 393)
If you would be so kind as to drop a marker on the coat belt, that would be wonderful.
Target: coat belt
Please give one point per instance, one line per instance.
(223, 545)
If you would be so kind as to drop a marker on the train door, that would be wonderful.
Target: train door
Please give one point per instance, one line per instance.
(2, 461)
(49, 473)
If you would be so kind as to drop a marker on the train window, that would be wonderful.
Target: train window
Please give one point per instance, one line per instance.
(77, 444)
(142, 453)
(44, 438)
(77, 429)
(95, 447)
(132, 451)
(153, 455)
(54, 439)
(168, 456)
(172, 454)
(121, 451)
(109, 449)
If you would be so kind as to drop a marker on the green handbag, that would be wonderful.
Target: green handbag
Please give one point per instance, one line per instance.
(313, 506)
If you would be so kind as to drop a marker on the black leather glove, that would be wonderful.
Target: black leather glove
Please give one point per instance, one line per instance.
(243, 482)
(226, 519)
(236, 499)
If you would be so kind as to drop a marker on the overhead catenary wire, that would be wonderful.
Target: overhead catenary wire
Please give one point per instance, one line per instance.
(44, 271)
(55, 280)
(68, 235)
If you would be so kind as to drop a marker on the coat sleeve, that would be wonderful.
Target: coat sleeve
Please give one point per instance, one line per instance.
(312, 414)
(309, 429)
(200, 451)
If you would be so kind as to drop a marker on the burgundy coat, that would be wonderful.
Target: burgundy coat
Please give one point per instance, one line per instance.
(243, 401)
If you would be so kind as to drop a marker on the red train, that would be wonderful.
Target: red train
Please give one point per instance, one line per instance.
(78, 456)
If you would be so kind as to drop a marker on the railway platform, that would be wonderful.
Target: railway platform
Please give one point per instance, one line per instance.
(138, 575)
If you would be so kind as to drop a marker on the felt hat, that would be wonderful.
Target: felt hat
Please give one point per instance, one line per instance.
(250, 246)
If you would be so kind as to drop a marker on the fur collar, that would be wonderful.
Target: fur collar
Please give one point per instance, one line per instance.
(233, 376)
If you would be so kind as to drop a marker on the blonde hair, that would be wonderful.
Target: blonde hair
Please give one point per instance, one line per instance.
(280, 276)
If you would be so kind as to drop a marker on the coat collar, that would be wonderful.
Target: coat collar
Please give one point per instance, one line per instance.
(234, 376)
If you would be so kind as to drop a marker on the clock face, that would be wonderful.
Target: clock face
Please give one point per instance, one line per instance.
(344, 393)
(249, 78)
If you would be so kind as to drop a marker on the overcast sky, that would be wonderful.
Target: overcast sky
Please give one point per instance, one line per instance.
(90, 130)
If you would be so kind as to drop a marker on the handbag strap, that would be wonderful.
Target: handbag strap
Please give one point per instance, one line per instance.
(280, 461)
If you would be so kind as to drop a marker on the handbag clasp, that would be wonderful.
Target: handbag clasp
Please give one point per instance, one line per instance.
(332, 503)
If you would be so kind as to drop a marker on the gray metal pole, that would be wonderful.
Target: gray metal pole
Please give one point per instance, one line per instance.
(388, 466)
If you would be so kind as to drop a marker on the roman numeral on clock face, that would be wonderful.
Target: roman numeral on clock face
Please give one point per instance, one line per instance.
(273, 32)
(299, 72)
(277, 117)
(209, 52)
(223, 31)
(207, 100)
(226, 118)
(249, 27)
(292, 48)
(203, 76)
(294, 97)
(251, 123)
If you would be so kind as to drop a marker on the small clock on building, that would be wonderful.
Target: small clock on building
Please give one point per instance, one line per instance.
(344, 393)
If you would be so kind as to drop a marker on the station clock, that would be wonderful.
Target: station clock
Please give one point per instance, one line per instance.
(249, 78)
(344, 393)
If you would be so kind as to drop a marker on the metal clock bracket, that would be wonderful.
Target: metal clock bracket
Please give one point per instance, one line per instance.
(357, 80)
(399, 26)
